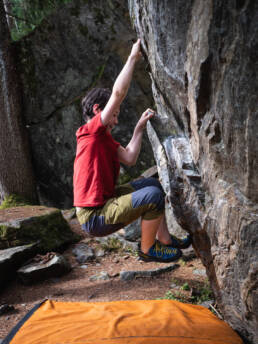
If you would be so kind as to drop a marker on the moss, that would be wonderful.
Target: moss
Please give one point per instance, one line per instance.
(13, 201)
(124, 178)
(51, 230)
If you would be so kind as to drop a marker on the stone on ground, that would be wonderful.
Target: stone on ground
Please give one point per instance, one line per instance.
(83, 253)
(39, 271)
(129, 275)
(12, 258)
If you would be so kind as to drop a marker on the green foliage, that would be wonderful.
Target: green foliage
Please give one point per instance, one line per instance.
(185, 286)
(174, 296)
(124, 178)
(196, 296)
(112, 245)
(182, 262)
(13, 201)
(27, 14)
(131, 251)
(204, 294)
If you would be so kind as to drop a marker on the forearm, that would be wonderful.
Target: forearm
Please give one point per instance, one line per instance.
(121, 84)
(134, 146)
(123, 80)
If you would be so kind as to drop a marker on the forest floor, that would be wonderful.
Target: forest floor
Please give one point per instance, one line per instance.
(187, 283)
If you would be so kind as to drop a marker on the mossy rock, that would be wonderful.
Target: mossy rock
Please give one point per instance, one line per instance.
(25, 225)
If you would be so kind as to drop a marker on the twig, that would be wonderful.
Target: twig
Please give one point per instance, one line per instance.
(217, 313)
(16, 17)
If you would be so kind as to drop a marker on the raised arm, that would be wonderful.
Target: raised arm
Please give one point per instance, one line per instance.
(129, 155)
(121, 84)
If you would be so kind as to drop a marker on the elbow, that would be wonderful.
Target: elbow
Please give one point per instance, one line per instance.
(131, 162)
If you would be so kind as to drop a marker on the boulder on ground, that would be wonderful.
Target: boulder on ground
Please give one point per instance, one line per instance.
(25, 225)
(12, 258)
(83, 253)
(33, 272)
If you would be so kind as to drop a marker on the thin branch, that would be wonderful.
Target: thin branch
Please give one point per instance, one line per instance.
(16, 17)
(218, 314)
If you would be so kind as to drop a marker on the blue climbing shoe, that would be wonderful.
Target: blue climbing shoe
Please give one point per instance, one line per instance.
(160, 253)
(183, 243)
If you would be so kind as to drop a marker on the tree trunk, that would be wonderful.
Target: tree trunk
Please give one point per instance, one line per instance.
(10, 20)
(16, 174)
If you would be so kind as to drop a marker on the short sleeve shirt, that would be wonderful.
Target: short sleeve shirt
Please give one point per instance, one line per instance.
(96, 165)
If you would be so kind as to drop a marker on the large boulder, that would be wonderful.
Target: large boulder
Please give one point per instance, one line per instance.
(83, 45)
(29, 224)
(12, 258)
(203, 60)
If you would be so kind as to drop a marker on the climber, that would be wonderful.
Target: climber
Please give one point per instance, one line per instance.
(101, 207)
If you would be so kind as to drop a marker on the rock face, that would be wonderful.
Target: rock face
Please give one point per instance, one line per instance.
(81, 46)
(203, 61)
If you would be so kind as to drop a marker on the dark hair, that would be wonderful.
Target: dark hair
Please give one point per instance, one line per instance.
(98, 96)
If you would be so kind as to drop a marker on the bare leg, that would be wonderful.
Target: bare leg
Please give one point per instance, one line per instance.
(149, 231)
(163, 234)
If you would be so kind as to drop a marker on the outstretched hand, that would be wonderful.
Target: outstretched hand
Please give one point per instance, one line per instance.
(147, 114)
(136, 50)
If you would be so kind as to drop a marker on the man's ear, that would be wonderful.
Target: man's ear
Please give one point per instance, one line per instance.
(96, 109)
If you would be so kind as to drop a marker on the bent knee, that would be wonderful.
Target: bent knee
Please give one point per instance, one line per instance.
(149, 195)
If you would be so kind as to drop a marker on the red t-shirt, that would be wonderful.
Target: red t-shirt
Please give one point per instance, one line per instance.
(96, 165)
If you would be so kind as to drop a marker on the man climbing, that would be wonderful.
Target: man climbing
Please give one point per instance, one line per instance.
(102, 208)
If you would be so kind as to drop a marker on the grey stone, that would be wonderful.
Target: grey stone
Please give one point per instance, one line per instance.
(126, 244)
(12, 258)
(103, 275)
(130, 275)
(199, 272)
(39, 271)
(188, 254)
(83, 253)
(6, 309)
(132, 232)
(202, 59)
(69, 214)
(99, 252)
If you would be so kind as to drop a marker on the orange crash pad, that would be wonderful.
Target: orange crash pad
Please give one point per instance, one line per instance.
(120, 322)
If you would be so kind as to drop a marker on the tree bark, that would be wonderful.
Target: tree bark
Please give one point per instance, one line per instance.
(8, 9)
(16, 173)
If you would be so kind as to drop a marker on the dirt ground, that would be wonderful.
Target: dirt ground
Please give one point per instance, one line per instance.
(77, 286)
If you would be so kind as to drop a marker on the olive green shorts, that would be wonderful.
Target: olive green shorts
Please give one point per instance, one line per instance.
(141, 198)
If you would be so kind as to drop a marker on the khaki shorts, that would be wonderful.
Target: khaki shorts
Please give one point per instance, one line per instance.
(141, 198)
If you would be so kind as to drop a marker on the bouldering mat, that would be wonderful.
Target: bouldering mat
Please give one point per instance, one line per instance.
(117, 322)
